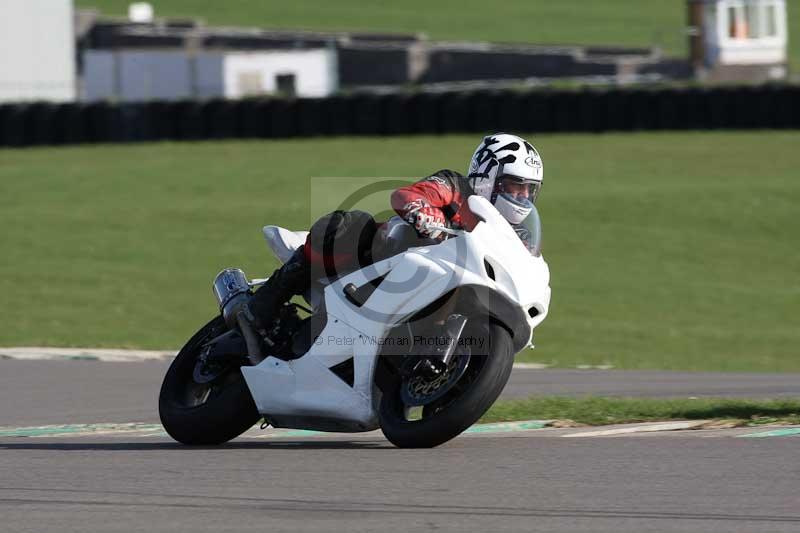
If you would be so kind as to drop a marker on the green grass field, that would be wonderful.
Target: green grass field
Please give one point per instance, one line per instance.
(598, 410)
(610, 22)
(667, 250)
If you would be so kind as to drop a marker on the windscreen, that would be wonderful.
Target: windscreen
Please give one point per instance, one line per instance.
(530, 232)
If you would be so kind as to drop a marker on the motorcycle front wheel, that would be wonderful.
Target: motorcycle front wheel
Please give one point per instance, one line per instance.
(205, 412)
(487, 372)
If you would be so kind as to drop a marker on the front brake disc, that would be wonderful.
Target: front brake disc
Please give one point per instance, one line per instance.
(418, 389)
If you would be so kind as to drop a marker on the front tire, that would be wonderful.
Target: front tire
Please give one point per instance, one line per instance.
(208, 413)
(473, 395)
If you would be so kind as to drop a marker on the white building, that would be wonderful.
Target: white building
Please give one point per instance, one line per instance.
(309, 73)
(732, 38)
(37, 50)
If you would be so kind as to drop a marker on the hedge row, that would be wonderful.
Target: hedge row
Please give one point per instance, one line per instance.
(423, 113)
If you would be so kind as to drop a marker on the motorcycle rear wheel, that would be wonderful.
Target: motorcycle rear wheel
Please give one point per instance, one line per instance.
(204, 413)
(474, 393)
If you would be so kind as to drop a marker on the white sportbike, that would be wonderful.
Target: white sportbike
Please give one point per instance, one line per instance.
(419, 344)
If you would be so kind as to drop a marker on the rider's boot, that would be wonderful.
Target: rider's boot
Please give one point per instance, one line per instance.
(294, 277)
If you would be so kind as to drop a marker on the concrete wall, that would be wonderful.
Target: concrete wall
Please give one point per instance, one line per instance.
(454, 65)
(359, 65)
(142, 75)
(37, 50)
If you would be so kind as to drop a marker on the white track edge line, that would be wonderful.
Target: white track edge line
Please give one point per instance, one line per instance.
(118, 355)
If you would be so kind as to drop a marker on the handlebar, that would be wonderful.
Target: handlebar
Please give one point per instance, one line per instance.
(445, 229)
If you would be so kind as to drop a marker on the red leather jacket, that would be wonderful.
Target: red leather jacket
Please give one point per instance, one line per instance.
(349, 234)
(446, 190)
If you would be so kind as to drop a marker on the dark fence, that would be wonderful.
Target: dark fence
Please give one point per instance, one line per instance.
(773, 107)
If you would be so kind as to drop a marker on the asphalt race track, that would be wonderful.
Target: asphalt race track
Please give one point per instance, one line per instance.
(476, 483)
(66, 392)
(517, 480)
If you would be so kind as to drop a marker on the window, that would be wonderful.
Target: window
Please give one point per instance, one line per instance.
(733, 23)
(771, 21)
(285, 84)
(737, 22)
(751, 19)
(751, 23)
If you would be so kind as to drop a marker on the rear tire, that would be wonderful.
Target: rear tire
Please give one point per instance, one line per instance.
(204, 414)
(482, 383)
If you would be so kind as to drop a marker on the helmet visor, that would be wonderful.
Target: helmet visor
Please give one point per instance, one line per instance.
(520, 189)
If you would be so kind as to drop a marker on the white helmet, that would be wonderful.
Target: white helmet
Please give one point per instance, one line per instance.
(506, 161)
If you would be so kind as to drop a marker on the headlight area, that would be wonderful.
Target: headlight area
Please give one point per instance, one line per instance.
(530, 304)
(498, 274)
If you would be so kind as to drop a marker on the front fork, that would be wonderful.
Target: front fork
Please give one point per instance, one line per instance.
(436, 362)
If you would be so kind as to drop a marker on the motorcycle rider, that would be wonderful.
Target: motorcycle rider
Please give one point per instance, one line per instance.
(505, 169)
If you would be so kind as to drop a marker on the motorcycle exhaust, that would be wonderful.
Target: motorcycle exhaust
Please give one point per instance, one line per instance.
(232, 291)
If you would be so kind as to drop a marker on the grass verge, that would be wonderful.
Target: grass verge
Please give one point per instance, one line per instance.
(674, 251)
(598, 411)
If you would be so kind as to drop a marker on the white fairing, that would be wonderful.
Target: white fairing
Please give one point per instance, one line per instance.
(305, 388)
